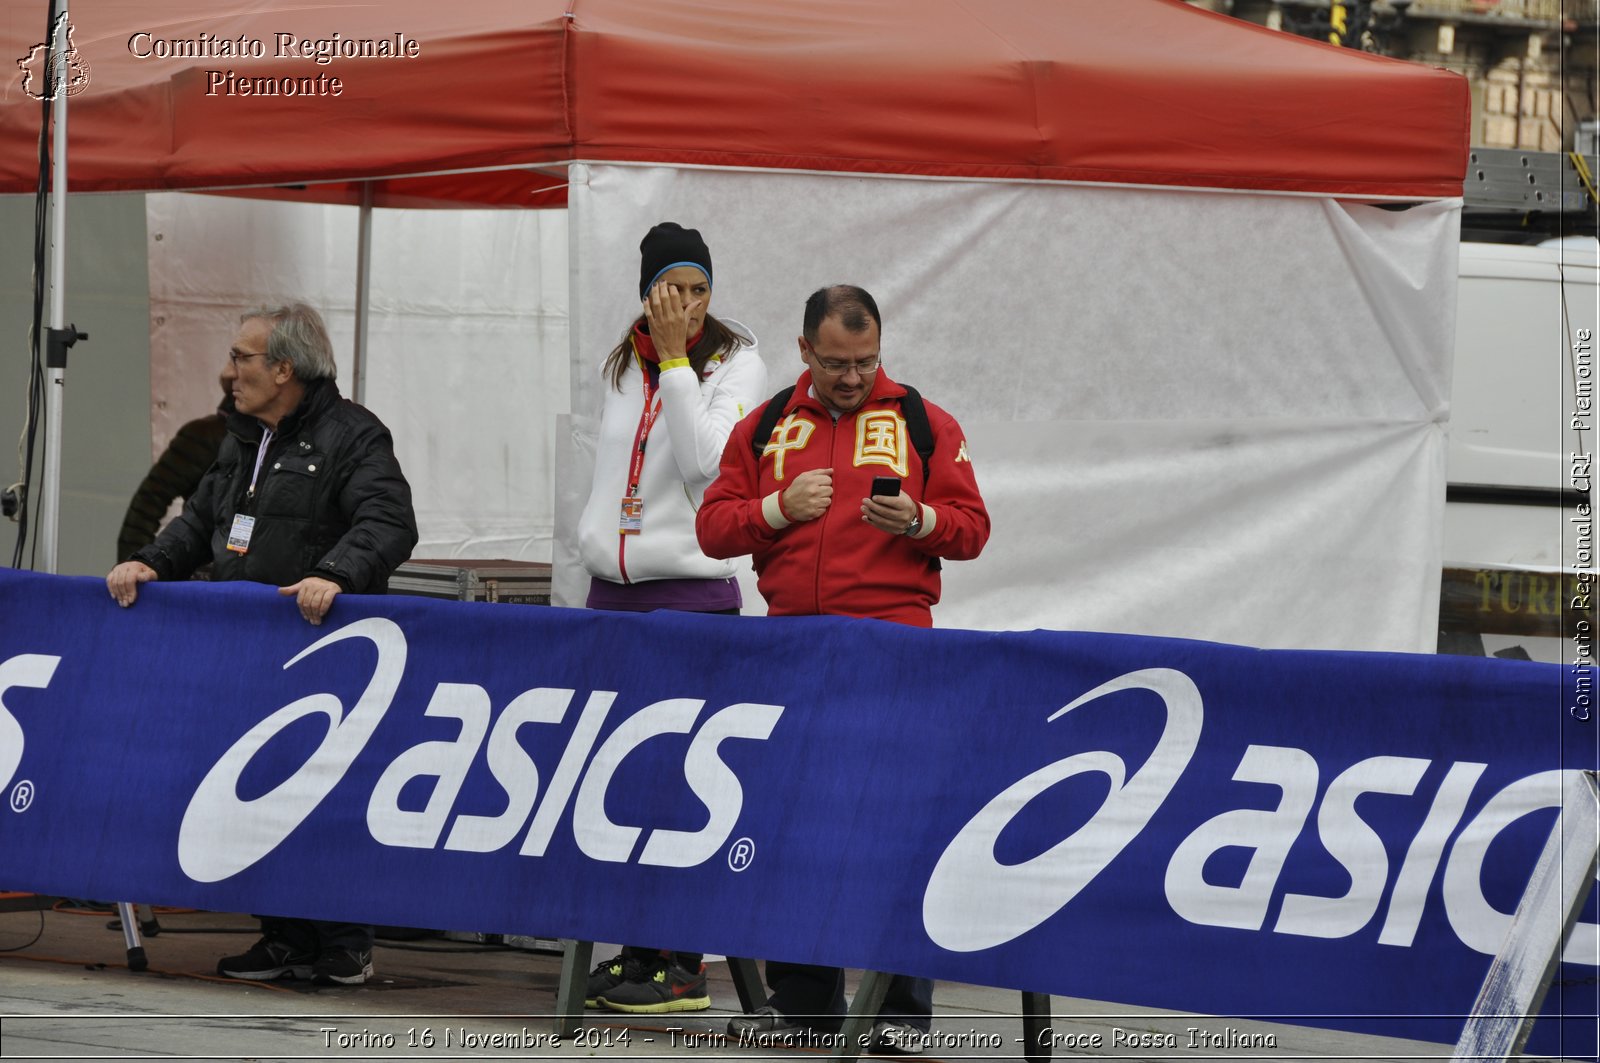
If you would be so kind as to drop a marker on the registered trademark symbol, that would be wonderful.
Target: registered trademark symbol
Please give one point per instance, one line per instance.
(22, 796)
(741, 854)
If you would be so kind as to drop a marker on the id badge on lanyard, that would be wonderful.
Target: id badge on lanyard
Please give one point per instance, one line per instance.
(631, 519)
(244, 526)
(239, 534)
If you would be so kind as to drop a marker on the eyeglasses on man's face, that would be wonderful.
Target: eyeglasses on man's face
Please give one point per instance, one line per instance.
(235, 355)
(834, 367)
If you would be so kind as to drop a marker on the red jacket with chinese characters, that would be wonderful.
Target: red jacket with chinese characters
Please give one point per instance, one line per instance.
(838, 564)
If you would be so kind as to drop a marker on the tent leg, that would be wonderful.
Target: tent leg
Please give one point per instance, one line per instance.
(747, 983)
(47, 532)
(861, 1016)
(1036, 1027)
(358, 369)
(575, 957)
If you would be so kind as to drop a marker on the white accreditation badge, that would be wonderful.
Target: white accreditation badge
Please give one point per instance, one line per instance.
(239, 534)
(243, 526)
(632, 516)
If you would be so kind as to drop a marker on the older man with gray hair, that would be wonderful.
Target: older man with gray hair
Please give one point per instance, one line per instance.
(305, 494)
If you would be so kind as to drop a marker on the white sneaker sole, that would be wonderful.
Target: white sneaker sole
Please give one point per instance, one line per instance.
(344, 979)
(268, 974)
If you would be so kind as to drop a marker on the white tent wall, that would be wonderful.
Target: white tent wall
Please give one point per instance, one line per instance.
(1210, 415)
(467, 342)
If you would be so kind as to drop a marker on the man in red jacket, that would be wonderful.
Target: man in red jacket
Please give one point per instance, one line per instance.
(843, 425)
(824, 542)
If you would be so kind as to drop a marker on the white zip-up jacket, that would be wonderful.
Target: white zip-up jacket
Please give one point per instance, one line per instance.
(681, 458)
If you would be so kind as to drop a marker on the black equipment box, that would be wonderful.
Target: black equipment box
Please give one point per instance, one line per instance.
(461, 580)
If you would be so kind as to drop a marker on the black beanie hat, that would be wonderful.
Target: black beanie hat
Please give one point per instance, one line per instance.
(667, 245)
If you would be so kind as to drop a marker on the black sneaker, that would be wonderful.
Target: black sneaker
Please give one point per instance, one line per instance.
(898, 1038)
(665, 987)
(610, 974)
(762, 1022)
(342, 967)
(267, 959)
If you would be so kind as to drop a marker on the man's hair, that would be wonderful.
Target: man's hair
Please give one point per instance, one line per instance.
(854, 307)
(298, 337)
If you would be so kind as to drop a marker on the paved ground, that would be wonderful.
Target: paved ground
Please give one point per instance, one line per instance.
(66, 993)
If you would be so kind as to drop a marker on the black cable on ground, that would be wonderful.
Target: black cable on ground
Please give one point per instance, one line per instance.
(37, 934)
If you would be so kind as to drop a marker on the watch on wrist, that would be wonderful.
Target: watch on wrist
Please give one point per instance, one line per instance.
(915, 525)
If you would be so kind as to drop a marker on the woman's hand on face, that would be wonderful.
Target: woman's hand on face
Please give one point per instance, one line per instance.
(668, 314)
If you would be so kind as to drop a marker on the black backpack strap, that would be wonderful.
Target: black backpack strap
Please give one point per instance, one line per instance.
(769, 420)
(917, 426)
(921, 433)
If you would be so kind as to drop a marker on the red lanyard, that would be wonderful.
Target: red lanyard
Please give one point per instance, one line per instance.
(647, 419)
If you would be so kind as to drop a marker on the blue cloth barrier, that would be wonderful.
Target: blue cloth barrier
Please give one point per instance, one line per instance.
(1331, 838)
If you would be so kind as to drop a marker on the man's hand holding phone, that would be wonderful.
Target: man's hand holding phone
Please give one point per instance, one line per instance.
(887, 509)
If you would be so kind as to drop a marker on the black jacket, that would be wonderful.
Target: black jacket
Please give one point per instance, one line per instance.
(176, 474)
(330, 501)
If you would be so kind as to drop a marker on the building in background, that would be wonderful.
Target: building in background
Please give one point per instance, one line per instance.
(1531, 63)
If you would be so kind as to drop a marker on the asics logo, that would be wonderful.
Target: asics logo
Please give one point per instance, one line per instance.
(33, 670)
(975, 902)
(222, 835)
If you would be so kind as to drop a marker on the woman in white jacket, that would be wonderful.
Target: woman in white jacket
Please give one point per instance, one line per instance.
(676, 385)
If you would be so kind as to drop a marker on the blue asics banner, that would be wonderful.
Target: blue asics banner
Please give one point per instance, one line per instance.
(1332, 838)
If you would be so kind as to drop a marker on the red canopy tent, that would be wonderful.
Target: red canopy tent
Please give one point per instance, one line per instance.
(1035, 151)
(502, 93)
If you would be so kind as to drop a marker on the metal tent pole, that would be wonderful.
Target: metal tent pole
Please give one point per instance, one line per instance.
(358, 374)
(57, 77)
(58, 339)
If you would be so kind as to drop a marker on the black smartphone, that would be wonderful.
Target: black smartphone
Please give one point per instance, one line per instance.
(885, 485)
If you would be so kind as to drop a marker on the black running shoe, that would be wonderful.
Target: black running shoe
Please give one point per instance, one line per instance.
(665, 987)
(893, 1038)
(763, 1022)
(267, 959)
(342, 967)
(610, 974)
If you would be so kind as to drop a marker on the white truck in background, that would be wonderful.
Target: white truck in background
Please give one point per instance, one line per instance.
(1519, 523)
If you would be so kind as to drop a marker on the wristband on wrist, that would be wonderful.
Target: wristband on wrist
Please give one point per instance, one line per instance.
(772, 511)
